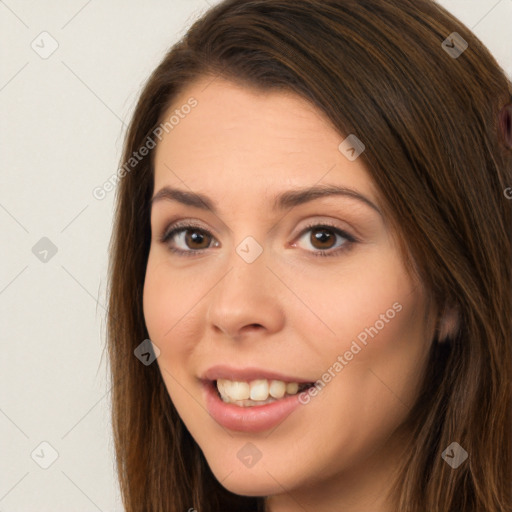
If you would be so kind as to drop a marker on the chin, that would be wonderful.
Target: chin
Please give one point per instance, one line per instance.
(259, 480)
(249, 485)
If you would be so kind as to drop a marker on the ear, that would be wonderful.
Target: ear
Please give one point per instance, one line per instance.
(449, 324)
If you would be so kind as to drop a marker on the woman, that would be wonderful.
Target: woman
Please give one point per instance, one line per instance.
(376, 134)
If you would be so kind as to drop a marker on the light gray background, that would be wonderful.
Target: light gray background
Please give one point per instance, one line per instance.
(62, 120)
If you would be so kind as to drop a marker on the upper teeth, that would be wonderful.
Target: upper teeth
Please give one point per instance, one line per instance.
(258, 390)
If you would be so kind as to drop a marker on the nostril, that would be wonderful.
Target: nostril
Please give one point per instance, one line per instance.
(253, 327)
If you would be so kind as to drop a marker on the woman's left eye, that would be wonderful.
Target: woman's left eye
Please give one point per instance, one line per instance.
(188, 240)
(323, 237)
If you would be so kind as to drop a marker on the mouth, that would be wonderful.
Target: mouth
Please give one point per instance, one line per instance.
(257, 392)
(251, 399)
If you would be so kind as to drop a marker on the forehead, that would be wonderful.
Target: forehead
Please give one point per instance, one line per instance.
(236, 137)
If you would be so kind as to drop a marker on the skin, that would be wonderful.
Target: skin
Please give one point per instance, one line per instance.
(289, 311)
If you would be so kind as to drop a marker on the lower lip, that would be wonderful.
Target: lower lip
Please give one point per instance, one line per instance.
(248, 419)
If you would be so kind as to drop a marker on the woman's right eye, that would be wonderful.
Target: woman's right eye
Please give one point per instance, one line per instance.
(188, 239)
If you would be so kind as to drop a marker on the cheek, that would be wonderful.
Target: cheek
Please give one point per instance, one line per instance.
(390, 327)
(377, 347)
(370, 385)
(370, 301)
(170, 301)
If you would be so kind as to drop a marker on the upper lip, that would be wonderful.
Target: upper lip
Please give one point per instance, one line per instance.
(246, 374)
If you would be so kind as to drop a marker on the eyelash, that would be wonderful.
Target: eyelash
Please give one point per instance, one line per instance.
(178, 228)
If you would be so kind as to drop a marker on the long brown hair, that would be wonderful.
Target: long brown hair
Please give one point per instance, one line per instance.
(429, 121)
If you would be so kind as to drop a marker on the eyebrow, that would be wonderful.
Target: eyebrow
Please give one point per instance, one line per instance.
(285, 200)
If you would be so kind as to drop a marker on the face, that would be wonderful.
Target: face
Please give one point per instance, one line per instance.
(254, 287)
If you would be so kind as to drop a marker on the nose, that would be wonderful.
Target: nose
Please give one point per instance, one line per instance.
(244, 301)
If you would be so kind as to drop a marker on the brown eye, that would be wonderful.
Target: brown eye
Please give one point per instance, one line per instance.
(325, 240)
(322, 238)
(196, 239)
(187, 240)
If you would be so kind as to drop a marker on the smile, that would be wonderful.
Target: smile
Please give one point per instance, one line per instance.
(257, 392)
(250, 399)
